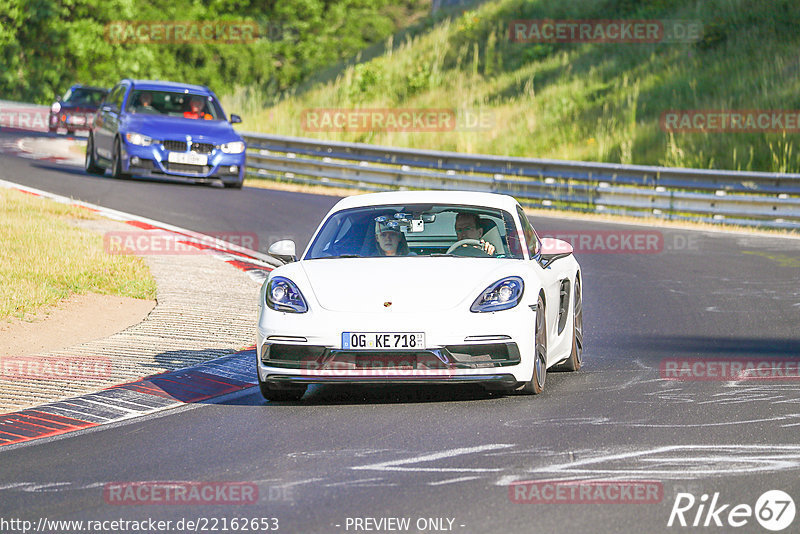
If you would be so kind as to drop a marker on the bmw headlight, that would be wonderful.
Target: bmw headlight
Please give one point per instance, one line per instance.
(139, 139)
(283, 295)
(56, 107)
(235, 147)
(502, 295)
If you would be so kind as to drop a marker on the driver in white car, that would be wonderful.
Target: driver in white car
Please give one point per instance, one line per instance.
(468, 226)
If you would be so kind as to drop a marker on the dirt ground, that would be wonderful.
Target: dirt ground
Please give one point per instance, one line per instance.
(76, 320)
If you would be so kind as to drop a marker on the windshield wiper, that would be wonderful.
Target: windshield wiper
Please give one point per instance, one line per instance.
(455, 256)
(339, 256)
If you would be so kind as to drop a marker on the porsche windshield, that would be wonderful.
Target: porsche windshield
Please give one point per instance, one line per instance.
(417, 230)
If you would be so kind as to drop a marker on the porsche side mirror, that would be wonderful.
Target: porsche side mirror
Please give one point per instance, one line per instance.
(283, 251)
(552, 250)
(235, 119)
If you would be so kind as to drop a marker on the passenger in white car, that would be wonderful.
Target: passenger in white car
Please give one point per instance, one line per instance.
(390, 241)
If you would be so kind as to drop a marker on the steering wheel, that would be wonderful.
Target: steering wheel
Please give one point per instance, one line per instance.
(472, 242)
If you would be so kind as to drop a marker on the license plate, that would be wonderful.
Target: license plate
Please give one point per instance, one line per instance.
(189, 158)
(76, 120)
(383, 340)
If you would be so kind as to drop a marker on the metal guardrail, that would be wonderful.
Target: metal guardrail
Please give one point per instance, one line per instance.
(744, 198)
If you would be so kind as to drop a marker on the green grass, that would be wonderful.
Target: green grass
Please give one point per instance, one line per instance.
(46, 258)
(576, 101)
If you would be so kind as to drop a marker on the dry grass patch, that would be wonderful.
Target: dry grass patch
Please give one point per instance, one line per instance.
(46, 258)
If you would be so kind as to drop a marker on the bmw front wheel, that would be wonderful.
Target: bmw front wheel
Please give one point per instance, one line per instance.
(90, 163)
(116, 162)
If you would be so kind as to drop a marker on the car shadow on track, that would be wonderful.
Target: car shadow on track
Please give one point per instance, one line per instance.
(353, 395)
(391, 394)
(708, 346)
(66, 169)
(76, 170)
(180, 359)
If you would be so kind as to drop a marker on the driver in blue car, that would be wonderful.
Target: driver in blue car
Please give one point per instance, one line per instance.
(145, 104)
(468, 226)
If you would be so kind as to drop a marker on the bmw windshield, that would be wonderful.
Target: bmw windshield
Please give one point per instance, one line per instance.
(174, 104)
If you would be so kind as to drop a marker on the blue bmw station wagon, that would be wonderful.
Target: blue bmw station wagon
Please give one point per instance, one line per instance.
(167, 129)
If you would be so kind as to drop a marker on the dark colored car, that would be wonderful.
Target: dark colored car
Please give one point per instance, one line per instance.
(76, 109)
(167, 129)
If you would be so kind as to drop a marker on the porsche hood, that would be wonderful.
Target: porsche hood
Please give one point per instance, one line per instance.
(369, 285)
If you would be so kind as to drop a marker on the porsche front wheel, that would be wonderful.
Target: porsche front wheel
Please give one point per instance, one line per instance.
(575, 359)
(280, 394)
(535, 385)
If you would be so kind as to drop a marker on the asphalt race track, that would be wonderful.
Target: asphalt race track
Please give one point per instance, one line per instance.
(444, 457)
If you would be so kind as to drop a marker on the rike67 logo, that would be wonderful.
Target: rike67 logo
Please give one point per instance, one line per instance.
(774, 510)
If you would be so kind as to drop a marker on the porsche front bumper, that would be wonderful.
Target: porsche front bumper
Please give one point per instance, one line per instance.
(461, 347)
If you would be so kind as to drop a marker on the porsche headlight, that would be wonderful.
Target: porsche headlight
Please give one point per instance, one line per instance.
(235, 147)
(502, 295)
(139, 139)
(283, 295)
(56, 107)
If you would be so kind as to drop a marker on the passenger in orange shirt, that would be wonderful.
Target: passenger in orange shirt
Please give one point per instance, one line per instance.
(196, 106)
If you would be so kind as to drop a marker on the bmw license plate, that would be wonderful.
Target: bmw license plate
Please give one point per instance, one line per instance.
(383, 340)
(76, 119)
(189, 158)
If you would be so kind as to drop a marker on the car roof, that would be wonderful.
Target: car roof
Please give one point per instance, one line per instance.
(466, 198)
(89, 87)
(160, 85)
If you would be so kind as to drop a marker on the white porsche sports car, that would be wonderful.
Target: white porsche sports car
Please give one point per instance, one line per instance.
(420, 287)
